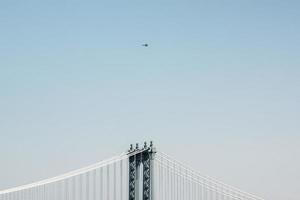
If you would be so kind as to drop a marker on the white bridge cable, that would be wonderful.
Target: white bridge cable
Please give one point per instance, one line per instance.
(192, 175)
(164, 157)
(188, 191)
(106, 180)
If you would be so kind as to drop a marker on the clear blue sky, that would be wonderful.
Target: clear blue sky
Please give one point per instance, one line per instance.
(217, 88)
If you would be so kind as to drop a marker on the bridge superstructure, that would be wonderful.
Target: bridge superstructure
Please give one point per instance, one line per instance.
(138, 174)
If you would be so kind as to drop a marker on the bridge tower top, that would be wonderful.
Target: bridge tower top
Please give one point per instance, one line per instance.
(132, 151)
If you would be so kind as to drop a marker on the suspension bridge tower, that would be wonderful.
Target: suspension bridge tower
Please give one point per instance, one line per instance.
(141, 172)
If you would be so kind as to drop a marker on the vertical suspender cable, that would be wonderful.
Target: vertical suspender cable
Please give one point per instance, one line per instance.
(121, 180)
(114, 181)
(107, 183)
(94, 184)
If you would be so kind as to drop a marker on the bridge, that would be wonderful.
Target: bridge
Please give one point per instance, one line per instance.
(141, 173)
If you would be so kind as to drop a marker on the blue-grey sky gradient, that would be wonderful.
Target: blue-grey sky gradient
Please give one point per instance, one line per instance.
(217, 88)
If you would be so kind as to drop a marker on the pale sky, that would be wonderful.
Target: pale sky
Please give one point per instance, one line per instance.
(218, 87)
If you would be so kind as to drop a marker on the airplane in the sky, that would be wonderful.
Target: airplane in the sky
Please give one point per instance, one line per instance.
(145, 45)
